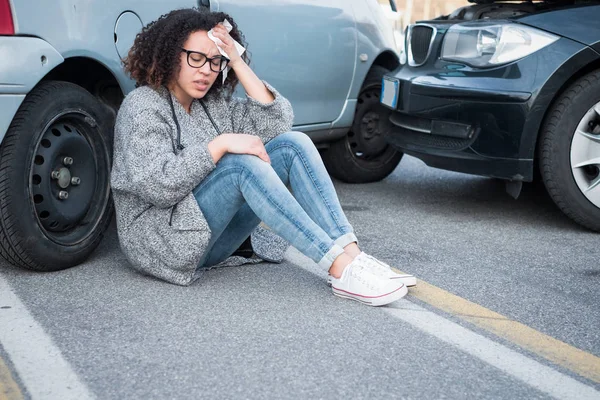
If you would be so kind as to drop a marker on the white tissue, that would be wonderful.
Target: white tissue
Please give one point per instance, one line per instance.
(240, 49)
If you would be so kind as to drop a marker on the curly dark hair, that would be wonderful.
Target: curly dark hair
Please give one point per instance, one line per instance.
(154, 58)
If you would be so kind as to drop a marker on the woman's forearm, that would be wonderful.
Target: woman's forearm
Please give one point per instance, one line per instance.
(253, 86)
(217, 148)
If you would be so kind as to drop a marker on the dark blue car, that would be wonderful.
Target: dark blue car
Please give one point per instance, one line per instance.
(505, 89)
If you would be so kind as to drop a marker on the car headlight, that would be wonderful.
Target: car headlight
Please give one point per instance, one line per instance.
(487, 45)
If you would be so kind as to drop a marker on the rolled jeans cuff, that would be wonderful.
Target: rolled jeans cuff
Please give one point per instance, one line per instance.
(330, 256)
(346, 239)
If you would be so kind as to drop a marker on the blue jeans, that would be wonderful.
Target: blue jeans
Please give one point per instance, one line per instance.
(244, 190)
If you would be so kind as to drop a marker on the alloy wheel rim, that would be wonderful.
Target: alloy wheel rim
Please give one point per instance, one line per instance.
(585, 155)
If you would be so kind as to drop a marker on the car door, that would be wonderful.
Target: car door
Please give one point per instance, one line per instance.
(304, 48)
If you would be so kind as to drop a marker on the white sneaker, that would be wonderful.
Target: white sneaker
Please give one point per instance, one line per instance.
(359, 282)
(386, 270)
(383, 269)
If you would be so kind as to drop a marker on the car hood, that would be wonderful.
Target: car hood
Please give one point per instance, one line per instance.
(567, 22)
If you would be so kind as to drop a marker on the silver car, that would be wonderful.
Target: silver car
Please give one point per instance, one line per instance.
(61, 84)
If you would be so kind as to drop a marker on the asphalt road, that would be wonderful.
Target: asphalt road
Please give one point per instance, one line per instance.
(276, 331)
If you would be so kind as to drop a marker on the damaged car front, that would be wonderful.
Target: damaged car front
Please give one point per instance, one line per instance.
(499, 88)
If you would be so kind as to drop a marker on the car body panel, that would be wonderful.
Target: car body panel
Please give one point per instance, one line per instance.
(25, 61)
(374, 36)
(344, 34)
(82, 28)
(289, 25)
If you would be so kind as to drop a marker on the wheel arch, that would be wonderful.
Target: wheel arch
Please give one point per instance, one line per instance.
(339, 159)
(387, 59)
(93, 76)
(532, 148)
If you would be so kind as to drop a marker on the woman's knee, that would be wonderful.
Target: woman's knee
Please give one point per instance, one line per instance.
(246, 164)
(243, 160)
(294, 138)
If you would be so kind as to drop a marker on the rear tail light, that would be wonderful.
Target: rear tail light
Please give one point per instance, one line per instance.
(6, 21)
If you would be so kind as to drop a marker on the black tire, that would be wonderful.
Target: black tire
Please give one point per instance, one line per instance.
(38, 230)
(363, 155)
(556, 140)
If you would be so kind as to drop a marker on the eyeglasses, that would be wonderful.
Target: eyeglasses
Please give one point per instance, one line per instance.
(195, 59)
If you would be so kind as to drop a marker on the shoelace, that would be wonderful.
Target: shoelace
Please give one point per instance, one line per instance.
(378, 267)
(365, 276)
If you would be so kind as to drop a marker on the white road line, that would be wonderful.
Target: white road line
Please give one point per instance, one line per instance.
(531, 372)
(525, 369)
(38, 362)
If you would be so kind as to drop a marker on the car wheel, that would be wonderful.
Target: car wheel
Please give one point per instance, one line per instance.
(570, 151)
(54, 189)
(364, 155)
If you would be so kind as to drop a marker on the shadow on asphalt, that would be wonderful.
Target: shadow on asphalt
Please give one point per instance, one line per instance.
(415, 187)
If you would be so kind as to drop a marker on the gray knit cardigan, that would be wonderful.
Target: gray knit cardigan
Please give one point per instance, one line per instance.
(161, 228)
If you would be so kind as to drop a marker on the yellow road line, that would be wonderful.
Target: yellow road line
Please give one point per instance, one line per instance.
(9, 390)
(578, 361)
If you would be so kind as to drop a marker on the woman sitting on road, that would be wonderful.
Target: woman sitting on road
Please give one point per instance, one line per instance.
(196, 170)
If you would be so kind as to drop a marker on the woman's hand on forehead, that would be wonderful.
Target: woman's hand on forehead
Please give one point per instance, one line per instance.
(227, 43)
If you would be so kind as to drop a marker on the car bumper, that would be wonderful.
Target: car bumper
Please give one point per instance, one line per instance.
(462, 130)
(478, 121)
(25, 61)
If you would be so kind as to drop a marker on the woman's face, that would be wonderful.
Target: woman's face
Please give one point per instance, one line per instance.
(193, 83)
